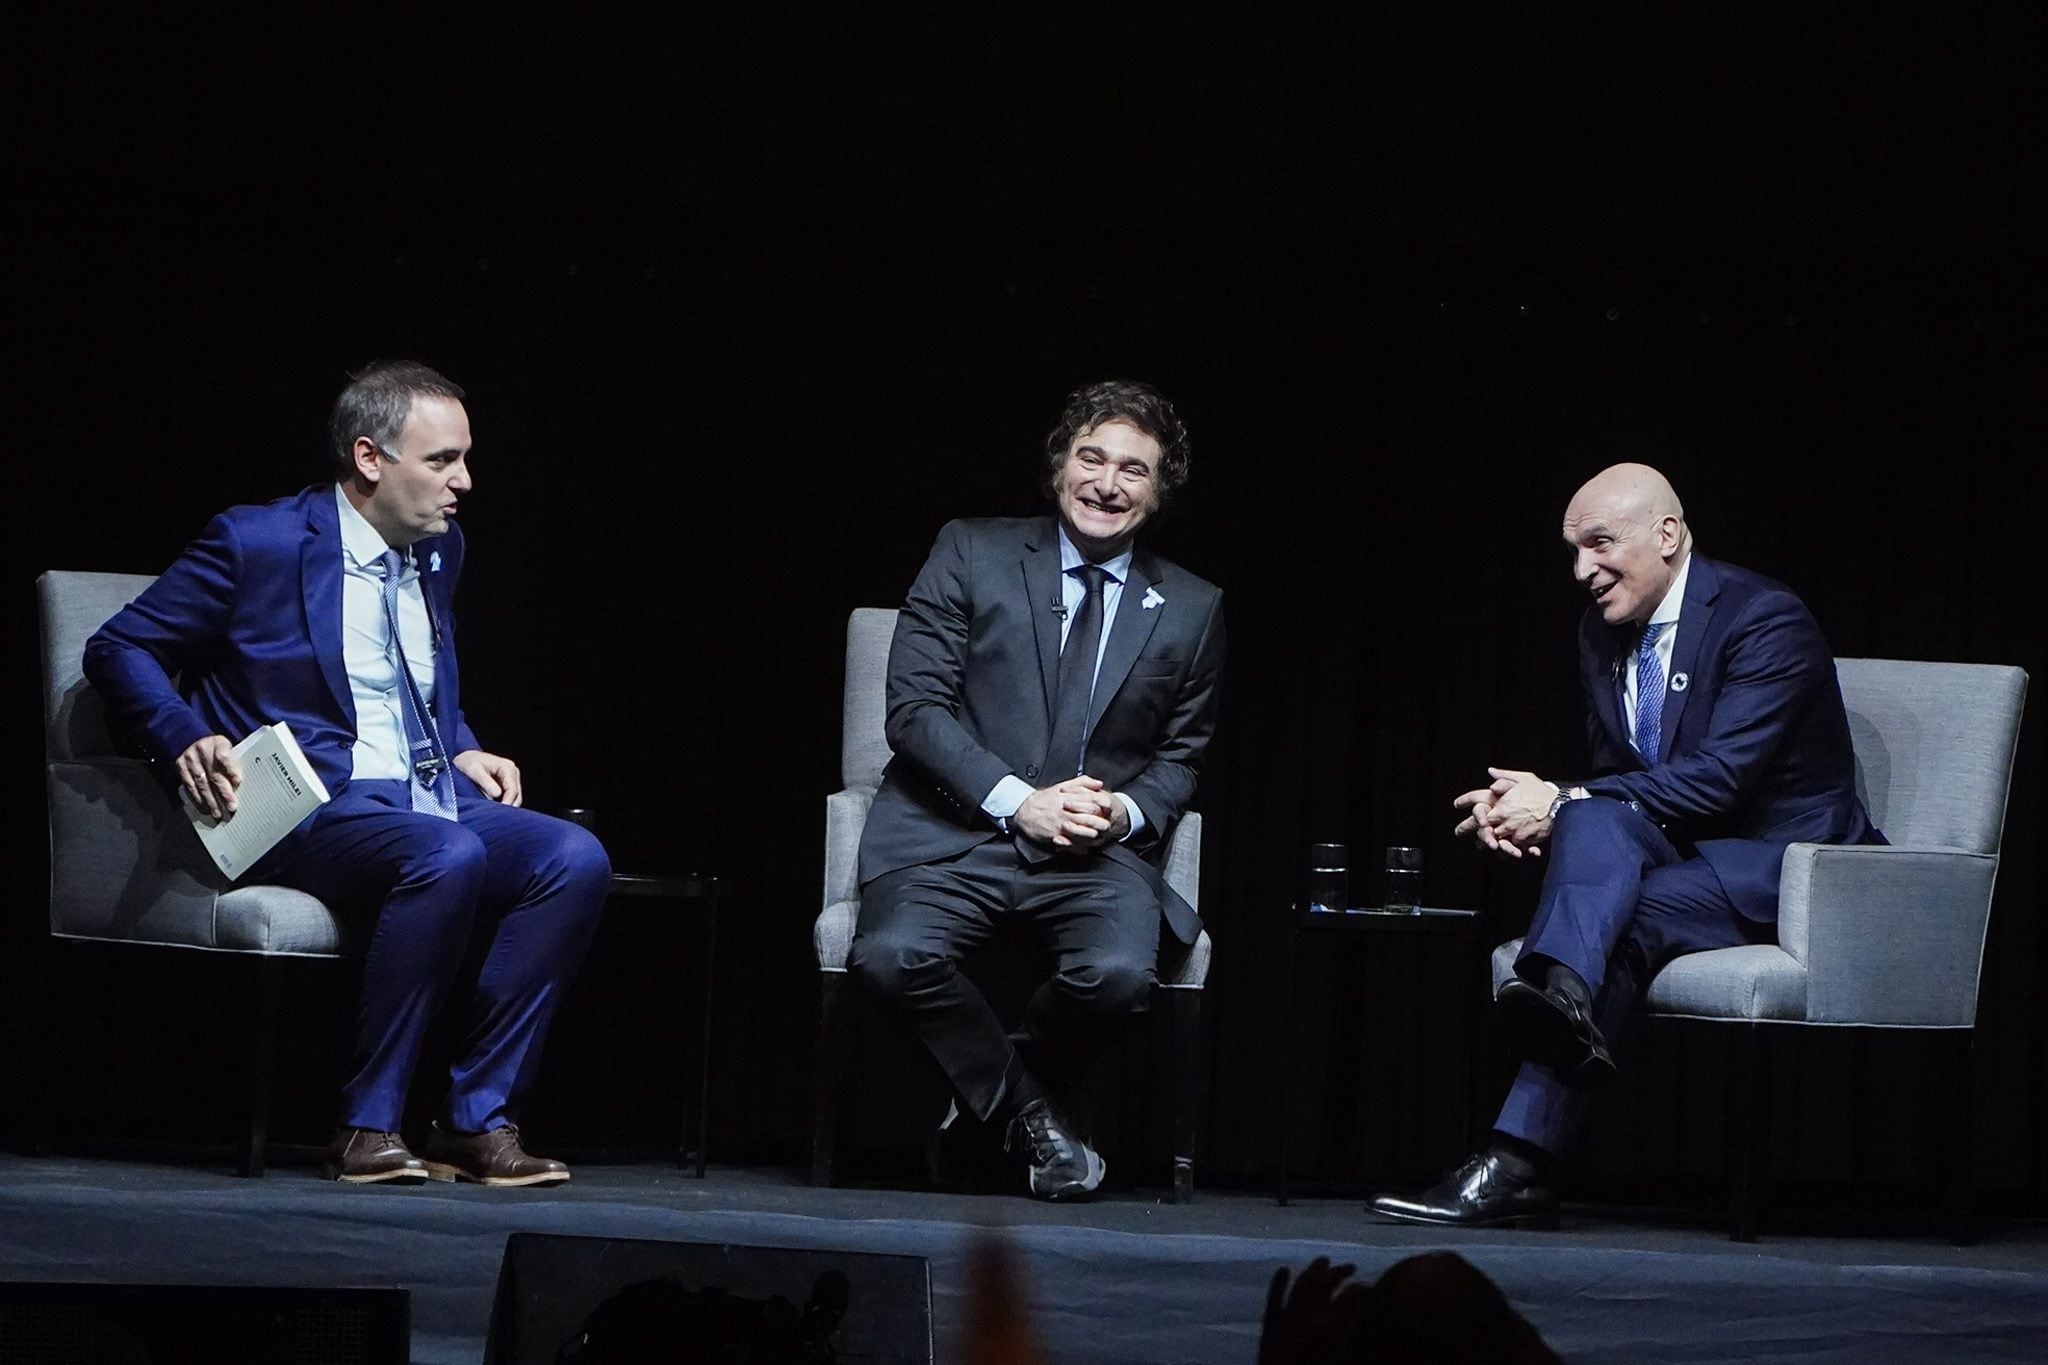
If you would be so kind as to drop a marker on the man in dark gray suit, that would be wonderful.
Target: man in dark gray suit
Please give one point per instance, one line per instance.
(1051, 691)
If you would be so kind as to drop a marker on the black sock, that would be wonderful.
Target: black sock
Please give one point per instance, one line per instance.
(1021, 1090)
(1522, 1160)
(1568, 983)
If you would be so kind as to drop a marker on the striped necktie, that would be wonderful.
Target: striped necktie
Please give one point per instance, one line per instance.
(1649, 694)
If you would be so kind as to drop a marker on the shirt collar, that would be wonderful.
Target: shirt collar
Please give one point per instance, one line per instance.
(361, 541)
(1118, 568)
(1674, 600)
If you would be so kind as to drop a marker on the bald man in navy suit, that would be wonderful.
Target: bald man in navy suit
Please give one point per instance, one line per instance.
(1718, 738)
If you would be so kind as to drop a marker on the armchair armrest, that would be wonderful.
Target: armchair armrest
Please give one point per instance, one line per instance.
(1183, 868)
(846, 813)
(1888, 935)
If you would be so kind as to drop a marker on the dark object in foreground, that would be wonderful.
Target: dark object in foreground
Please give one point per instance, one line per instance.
(1434, 1307)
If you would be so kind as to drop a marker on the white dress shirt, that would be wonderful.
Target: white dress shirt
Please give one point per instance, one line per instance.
(380, 748)
(1003, 799)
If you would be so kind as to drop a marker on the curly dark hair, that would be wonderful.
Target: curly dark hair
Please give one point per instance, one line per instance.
(376, 403)
(1143, 406)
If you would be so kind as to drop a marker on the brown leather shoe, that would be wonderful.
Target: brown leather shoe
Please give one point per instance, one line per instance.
(493, 1158)
(364, 1156)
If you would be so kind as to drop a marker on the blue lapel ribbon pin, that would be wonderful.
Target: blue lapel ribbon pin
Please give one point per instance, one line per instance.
(1679, 682)
(434, 562)
(1151, 599)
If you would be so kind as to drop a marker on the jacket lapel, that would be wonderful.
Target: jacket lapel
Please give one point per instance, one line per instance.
(1041, 565)
(1606, 689)
(320, 589)
(1702, 586)
(1133, 627)
(426, 558)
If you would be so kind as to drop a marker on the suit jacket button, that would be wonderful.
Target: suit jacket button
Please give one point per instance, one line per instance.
(1031, 771)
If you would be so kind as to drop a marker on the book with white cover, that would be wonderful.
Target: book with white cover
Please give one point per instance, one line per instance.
(279, 789)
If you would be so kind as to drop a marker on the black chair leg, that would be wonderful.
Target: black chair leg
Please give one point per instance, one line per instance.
(706, 982)
(1959, 1074)
(56, 989)
(1133, 1097)
(1749, 1163)
(834, 1055)
(269, 995)
(1186, 1089)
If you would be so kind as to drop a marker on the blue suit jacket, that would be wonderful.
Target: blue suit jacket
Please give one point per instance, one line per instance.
(245, 630)
(973, 670)
(1755, 751)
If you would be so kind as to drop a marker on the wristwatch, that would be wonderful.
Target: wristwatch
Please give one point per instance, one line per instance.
(1564, 794)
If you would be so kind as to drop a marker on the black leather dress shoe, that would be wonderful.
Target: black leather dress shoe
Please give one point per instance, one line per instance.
(1479, 1194)
(1063, 1167)
(365, 1156)
(1557, 1031)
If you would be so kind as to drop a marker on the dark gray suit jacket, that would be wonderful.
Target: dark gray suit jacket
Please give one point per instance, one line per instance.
(972, 672)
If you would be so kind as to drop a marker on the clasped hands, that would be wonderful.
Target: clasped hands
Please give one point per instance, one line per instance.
(210, 776)
(1079, 813)
(1510, 817)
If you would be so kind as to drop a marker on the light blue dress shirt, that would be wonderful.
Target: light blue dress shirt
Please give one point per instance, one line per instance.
(380, 748)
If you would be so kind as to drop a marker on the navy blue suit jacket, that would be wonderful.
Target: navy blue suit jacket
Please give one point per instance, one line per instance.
(244, 629)
(973, 669)
(1755, 751)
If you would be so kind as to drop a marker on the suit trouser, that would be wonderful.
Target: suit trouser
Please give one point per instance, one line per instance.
(1099, 918)
(1619, 901)
(541, 883)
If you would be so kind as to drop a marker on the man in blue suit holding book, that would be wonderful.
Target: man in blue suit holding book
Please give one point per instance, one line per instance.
(1718, 739)
(333, 611)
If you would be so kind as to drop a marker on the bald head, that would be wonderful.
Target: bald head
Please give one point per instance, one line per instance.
(1636, 488)
(1628, 537)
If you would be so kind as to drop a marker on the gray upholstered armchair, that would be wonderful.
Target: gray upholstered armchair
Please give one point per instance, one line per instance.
(863, 753)
(125, 866)
(1874, 937)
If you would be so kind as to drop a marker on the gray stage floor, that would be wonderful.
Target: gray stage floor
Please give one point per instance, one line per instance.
(1125, 1280)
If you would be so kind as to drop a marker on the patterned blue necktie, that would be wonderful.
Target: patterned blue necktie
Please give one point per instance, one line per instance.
(1649, 693)
(433, 778)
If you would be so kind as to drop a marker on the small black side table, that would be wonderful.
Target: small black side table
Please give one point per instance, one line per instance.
(1324, 930)
(705, 897)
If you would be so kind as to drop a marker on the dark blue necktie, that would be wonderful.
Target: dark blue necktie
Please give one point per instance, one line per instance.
(1649, 693)
(433, 779)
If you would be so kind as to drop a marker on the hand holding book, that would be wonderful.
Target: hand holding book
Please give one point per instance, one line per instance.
(209, 774)
(250, 796)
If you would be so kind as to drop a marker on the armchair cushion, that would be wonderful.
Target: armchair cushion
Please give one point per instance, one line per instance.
(1762, 981)
(1758, 982)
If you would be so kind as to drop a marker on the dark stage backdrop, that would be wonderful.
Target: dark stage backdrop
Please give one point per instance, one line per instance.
(745, 317)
